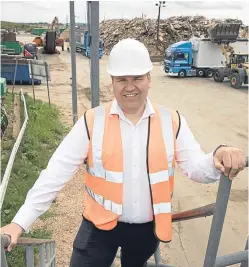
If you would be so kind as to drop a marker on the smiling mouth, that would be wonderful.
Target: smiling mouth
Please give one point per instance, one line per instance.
(131, 95)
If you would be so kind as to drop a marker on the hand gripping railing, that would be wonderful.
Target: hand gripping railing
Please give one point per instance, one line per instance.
(218, 210)
(47, 253)
(211, 258)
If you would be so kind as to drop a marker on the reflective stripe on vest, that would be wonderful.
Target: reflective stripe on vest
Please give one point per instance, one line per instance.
(162, 208)
(114, 177)
(107, 204)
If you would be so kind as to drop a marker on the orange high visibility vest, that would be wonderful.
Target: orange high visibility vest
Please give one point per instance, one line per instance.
(104, 174)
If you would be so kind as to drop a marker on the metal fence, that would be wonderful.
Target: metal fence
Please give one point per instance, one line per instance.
(47, 253)
(8, 170)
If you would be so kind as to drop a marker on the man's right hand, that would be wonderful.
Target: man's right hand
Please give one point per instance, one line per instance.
(14, 231)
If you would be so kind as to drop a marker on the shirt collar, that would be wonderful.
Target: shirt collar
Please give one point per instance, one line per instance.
(116, 110)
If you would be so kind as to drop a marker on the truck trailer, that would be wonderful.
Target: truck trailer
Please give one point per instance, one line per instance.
(83, 44)
(197, 57)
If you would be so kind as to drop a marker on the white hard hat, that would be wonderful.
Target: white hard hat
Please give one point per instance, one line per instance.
(129, 57)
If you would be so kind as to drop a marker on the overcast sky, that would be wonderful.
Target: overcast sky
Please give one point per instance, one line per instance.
(35, 11)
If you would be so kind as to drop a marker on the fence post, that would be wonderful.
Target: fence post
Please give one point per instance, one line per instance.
(30, 256)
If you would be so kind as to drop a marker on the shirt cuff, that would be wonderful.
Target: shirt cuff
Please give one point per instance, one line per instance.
(25, 217)
(210, 162)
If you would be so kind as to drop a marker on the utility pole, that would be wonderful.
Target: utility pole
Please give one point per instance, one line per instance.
(93, 24)
(73, 61)
(160, 4)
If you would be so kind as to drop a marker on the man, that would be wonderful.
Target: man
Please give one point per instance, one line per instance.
(130, 148)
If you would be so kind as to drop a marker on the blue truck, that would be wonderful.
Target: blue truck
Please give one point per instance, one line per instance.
(82, 44)
(196, 57)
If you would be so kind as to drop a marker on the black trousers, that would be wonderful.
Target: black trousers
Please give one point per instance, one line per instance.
(93, 247)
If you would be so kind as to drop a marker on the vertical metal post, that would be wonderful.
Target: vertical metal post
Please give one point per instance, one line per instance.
(42, 255)
(54, 253)
(48, 255)
(245, 264)
(46, 68)
(73, 62)
(88, 4)
(3, 256)
(218, 221)
(94, 28)
(158, 20)
(51, 252)
(157, 256)
(30, 256)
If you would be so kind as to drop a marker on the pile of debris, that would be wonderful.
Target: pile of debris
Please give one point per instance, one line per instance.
(171, 30)
(65, 34)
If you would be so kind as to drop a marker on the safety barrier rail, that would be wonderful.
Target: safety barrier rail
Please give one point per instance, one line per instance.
(218, 210)
(8, 170)
(47, 252)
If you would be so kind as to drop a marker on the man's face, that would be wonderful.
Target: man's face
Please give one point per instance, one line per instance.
(131, 91)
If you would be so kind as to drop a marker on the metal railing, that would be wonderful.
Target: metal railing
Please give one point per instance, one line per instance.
(218, 210)
(8, 170)
(47, 253)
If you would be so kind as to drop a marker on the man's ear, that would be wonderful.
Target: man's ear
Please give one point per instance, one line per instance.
(149, 78)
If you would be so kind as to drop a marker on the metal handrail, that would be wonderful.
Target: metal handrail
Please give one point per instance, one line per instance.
(8, 170)
(218, 210)
(47, 253)
(211, 259)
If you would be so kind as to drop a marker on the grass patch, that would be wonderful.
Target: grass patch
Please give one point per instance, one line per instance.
(49, 214)
(43, 134)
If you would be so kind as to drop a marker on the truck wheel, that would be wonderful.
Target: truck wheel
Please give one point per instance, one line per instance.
(219, 75)
(209, 73)
(235, 80)
(182, 73)
(200, 73)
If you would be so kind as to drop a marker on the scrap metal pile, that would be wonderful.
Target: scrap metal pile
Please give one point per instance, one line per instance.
(171, 30)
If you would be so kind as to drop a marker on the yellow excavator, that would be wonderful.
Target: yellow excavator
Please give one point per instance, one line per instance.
(236, 65)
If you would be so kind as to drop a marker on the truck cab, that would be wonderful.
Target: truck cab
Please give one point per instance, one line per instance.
(178, 59)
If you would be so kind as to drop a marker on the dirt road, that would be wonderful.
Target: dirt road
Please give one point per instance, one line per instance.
(216, 114)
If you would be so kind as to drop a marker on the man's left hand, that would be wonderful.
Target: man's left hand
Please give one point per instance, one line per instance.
(230, 161)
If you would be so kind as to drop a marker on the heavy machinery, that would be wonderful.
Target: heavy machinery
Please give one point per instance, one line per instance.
(38, 41)
(50, 39)
(49, 43)
(199, 56)
(236, 63)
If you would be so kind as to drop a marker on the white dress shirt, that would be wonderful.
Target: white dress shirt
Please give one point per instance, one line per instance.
(71, 153)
